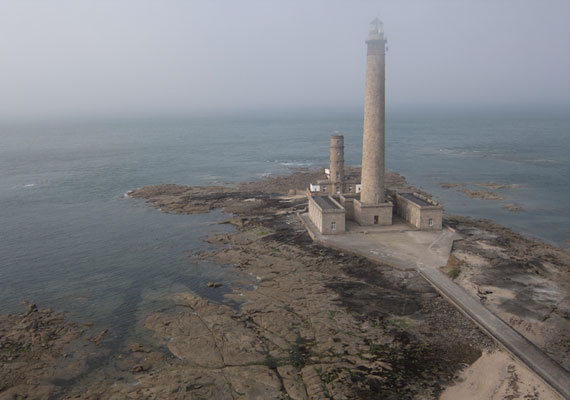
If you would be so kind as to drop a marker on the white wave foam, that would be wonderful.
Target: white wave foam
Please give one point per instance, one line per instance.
(541, 161)
(296, 164)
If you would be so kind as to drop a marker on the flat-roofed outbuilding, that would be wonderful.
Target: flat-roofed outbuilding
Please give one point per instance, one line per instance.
(328, 215)
(419, 211)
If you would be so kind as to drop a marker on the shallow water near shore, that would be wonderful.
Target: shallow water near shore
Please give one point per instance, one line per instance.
(72, 242)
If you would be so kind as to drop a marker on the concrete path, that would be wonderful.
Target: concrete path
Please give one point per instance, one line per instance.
(404, 248)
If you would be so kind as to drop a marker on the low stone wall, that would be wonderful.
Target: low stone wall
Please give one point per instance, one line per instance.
(329, 188)
(348, 204)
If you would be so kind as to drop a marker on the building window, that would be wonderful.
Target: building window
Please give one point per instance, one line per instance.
(324, 188)
(338, 188)
(338, 175)
(376, 220)
(430, 222)
(350, 188)
(333, 226)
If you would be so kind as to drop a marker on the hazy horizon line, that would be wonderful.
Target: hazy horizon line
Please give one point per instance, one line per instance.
(554, 108)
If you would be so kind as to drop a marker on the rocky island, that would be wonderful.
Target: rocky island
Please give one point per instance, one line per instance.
(311, 322)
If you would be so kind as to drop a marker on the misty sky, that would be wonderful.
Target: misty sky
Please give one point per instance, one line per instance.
(176, 56)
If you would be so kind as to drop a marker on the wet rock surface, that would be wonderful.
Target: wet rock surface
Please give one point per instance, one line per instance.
(512, 207)
(481, 194)
(484, 194)
(36, 351)
(303, 326)
(496, 186)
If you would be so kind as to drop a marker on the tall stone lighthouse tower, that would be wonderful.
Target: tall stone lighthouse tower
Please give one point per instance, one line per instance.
(374, 118)
(374, 209)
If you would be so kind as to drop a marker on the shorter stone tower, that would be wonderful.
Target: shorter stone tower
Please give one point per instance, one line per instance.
(338, 183)
(337, 163)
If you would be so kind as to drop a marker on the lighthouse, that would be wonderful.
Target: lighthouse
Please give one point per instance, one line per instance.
(333, 202)
(373, 148)
(372, 208)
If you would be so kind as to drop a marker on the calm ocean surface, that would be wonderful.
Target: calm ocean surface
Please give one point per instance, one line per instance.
(68, 239)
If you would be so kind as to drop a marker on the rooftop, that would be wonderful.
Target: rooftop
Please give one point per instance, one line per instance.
(415, 199)
(376, 30)
(326, 203)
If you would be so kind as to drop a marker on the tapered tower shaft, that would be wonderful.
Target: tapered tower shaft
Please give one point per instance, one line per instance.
(337, 162)
(373, 149)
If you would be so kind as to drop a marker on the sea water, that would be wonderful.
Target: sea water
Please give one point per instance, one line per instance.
(70, 240)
